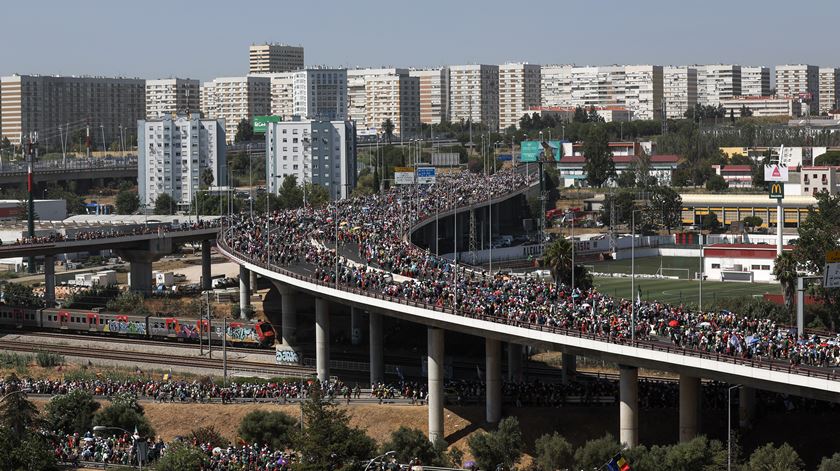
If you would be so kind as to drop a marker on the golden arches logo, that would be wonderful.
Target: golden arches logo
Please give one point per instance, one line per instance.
(775, 188)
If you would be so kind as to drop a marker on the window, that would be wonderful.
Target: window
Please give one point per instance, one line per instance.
(716, 265)
(765, 267)
(756, 267)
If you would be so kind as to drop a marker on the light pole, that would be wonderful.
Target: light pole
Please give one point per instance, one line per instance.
(729, 427)
(633, 275)
(19, 391)
(389, 453)
(134, 438)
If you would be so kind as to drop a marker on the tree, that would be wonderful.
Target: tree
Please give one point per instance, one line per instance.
(554, 452)
(180, 456)
(558, 258)
(501, 446)
(410, 443)
(207, 177)
(716, 183)
(710, 222)
(388, 129)
(244, 131)
(786, 273)
(752, 222)
(665, 207)
(626, 179)
(580, 115)
(20, 295)
(210, 436)
(127, 302)
(622, 203)
(264, 427)
(316, 195)
(290, 194)
(72, 412)
(594, 453)
(32, 451)
(124, 412)
(599, 166)
(128, 202)
(164, 204)
(17, 413)
(732, 116)
(771, 458)
(830, 463)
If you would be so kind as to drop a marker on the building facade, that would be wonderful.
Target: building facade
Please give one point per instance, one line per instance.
(556, 85)
(313, 151)
(717, 82)
(320, 94)
(434, 94)
(282, 93)
(829, 89)
(643, 90)
(357, 96)
(273, 57)
(755, 81)
(474, 94)
(168, 96)
(395, 98)
(236, 98)
(679, 89)
(800, 81)
(597, 86)
(816, 179)
(519, 90)
(762, 106)
(178, 156)
(42, 104)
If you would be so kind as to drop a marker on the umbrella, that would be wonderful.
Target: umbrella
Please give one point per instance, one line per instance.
(752, 340)
(673, 323)
(704, 324)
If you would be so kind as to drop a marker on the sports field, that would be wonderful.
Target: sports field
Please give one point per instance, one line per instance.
(649, 266)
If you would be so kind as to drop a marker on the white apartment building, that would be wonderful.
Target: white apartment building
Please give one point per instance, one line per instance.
(762, 106)
(556, 85)
(41, 103)
(274, 57)
(356, 94)
(236, 98)
(829, 89)
(314, 151)
(320, 94)
(643, 90)
(175, 154)
(434, 94)
(282, 93)
(679, 88)
(597, 86)
(716, 82)
(474, 94)
(519, 90)
(755, 81)
(168, 96)
(394, 97)
(799, 81)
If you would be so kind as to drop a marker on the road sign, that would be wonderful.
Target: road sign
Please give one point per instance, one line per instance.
(776, 173)
(832, 275)
(832, 256)
(777, 190)
(403, 175)
(425, 175)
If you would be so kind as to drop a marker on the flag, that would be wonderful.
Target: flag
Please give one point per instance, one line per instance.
(478, 372)
(618, 463)
(399, 373)
(639, 295)
(29, 177)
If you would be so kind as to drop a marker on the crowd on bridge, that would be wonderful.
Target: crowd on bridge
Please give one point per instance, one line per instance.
(112, 232)
(359, 243)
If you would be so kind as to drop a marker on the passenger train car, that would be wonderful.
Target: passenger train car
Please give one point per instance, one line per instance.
(259, 334)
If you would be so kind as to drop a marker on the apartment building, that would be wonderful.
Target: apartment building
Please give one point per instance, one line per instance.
(394, 97)
(817, 179)
(556, 85)
(474, 94)
(320, 94)
(40, 103)
(357, 94)
(282, 93)
(233, 99)
(168, 96)
(829, 86)
(519, 90)
(597, 86)
(643, 90)
(755, 81)
(434, 94)
(762, 106)
(716, 82)
(274, 57)
(800, 81)
(175, 155)
(314, 151)
(679, 89)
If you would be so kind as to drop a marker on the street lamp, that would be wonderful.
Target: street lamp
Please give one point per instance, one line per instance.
(389, 453)
(633, 275)
(134, 438)
(729, 426)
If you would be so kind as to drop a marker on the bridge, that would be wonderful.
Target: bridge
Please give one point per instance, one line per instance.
(14, 173)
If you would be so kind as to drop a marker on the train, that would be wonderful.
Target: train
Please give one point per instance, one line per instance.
(96, 322)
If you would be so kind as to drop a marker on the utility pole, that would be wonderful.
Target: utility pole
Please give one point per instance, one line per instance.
(30, 186)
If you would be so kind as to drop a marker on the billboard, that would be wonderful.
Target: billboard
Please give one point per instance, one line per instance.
(403, 175)
(260, 123)
(775, 173)
(530, 151)
(425, 175)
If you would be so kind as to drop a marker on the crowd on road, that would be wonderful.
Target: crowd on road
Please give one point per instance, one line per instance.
(111, 232)
(374, 256)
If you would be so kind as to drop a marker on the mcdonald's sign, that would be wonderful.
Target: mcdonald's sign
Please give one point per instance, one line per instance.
(777, 190)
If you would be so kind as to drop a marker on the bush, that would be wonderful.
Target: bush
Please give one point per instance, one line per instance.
(770, 458)
(503, 445)
(72, 412)
(14, 360)
(209, 435)
(554, 452)
(49, 359)
(124, 412)
(830, 464)
(181, 456)
(273, 428)
(410, 443)
(594, 453)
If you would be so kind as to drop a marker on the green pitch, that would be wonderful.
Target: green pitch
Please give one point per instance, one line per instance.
(683, 291)
(648, 265)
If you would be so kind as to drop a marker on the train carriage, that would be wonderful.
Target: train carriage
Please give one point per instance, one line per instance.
(19, 317)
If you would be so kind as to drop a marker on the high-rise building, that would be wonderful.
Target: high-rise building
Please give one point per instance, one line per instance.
(320, 94)
(314, 151)
(597, 86)
(679, 88)
(236, 98)
(799, 81)
(829, 89)
(168, 96)
(434, 94)
(177, 156)
(282, 93)
(717, 81)
(556, 85)
(474, 94)
(755, 81)
(357, 96)
(643, 90)
(519, 91)
(42, 104)
(273, 57)
(394, 97)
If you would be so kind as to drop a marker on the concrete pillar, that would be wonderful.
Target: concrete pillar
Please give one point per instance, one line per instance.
(355, 326)
(253, 284)
(206, 274)
(244, 291)
(628, 407)
(493, 354)
(140, 271)
(435, 371)
(514, 362)
(322, 339)
(288, 306)
(689, 407)
(49, 280)
(377, 363)
(569, 367)
(746, 407)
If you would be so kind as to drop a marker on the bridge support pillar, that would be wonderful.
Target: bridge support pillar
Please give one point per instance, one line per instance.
(493, 390)
(746, 407)
(322, 339)
(689, 407)
(355, 326)
(49, 280)
(140, 273)
(569, 367)
(514, 362)
(628, 407)
(288, 307)
(253, 283)
(244, 291)
(377, 363)
(206, 274)
(435, 373)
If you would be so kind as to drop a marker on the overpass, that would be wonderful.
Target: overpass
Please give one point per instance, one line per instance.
(74, 170)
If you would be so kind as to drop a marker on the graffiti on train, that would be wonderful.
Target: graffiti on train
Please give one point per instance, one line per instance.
(186, 331)
(239, 334)
(125, 327)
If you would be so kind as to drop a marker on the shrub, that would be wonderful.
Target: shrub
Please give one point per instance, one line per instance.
(72, 412)
(409, 443)
(49, 359)
(181, 456)
(209, 435)
(503, 445)
(274, 428)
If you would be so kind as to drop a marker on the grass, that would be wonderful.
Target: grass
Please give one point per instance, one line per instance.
(684, 291)
(649, 265)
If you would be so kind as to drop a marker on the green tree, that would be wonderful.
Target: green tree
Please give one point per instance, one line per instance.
(17, 413)
(665, 207)
(31, 452)
(290, 193)
(124, 412)
(599, 166)
(710, 222)
(785, 269)
(128, 302)
(830, 463)
(273, 428)
(558, 259)
(182, 456)
(716, 183)
(554, 452)
(410, 443)
(752, 222)
(210, 436)
(244, 131)
(20, 295)
(207, 177)
(501, 446)
(772, 458)
(580, 115)
(623, 202)
(388, 129)
(128, 202)
(594, 453)
(699, 453)
(72, 412)
(316, 195)
(165, 204)
(626, 179)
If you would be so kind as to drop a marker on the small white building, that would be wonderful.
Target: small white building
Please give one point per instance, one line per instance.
(748, 263)
(166, 279)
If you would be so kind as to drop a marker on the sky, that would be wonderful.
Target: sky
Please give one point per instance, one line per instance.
(210, 38)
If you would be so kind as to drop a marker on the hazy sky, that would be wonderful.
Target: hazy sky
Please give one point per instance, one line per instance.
(209, 38)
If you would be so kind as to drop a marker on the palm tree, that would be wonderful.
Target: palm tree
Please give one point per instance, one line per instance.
(785, 271)
(558, 259)
(388, 129)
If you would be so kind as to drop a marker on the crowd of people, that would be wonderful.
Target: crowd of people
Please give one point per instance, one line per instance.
(359, 242)
(110, 232)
